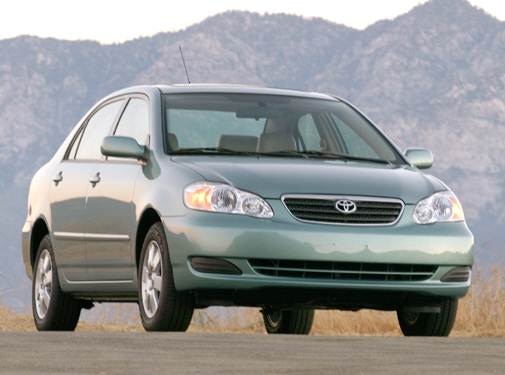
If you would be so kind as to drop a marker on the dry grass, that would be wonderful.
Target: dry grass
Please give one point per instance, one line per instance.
(481, 313)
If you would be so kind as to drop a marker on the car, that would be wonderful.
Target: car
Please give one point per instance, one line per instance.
(181, 197)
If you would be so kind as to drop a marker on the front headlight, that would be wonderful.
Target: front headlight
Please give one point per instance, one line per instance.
(206, 196)
(440, 207)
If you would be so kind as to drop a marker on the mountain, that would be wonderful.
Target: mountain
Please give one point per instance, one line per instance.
(433, 77)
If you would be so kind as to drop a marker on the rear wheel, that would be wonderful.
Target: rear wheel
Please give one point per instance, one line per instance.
(53, 310)
(162, 308)
(429, 324)
(293, 321)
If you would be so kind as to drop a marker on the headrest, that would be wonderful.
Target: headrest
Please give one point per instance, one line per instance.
(277, 141)
(244, 143)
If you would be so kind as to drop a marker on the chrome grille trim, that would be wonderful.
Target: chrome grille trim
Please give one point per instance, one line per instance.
(334, 198)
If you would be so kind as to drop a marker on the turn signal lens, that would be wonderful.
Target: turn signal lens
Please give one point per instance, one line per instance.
(440, 207)
(198, 197)
(205, 196)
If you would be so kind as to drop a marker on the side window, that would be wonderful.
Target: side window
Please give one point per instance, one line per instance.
(309, 133)
(135, 121)
(97, 129)
(356, 146)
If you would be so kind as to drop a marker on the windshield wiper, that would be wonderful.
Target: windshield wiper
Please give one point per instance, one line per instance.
(295, 154)
(332, 155)
(210, 150)
(227, 151)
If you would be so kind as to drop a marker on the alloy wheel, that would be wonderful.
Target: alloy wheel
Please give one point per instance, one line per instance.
(43, 284)
(152, 273)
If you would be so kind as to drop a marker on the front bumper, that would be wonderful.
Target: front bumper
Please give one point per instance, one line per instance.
(239, 238)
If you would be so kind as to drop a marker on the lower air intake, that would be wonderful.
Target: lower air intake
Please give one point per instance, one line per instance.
(345, 271)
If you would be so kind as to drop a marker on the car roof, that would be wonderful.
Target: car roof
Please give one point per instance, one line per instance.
(238, 89)
(221, 88)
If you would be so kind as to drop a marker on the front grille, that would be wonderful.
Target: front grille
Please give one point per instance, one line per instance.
(345, 271)
(369, 211)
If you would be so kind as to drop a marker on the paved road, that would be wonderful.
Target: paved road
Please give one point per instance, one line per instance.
(169, 353)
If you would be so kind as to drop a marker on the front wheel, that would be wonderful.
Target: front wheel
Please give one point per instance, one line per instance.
(293, 321)
(429, 324)
(162, 307)
(53, 310)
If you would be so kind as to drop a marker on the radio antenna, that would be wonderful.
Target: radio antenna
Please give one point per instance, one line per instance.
(184, 63)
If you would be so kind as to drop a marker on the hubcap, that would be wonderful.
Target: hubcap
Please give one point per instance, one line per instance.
(43, 284)
(152, 272)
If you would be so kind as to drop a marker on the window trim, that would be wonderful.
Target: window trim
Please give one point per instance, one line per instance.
(76, 141)
(82, 128)
(78, 134)
(144, 98)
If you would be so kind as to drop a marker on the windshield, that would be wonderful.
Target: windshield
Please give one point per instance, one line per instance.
(253, 124)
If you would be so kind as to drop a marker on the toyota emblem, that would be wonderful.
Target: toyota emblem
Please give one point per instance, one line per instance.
(346, 206)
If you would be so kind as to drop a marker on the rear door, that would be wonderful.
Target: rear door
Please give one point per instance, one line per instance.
(110, 212)
(68, 194)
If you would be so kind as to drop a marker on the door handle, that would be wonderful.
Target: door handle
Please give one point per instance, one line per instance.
(95, 179)
(58, 178)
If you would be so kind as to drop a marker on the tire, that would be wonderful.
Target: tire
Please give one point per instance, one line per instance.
(52, 309)
(293, 321)
(162, 307)
(429, 324)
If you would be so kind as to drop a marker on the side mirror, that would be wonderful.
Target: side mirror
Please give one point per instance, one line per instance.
(422, 158)
(123, 147)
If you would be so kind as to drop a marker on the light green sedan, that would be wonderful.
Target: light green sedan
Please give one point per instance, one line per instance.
(184, 197)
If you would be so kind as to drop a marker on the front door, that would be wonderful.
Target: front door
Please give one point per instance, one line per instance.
(109, 218)
(110, 213)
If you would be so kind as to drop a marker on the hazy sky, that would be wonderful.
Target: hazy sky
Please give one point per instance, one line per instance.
(115, 21)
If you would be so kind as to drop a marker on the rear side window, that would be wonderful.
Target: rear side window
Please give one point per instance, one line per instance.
(97, 129)
(135, 121)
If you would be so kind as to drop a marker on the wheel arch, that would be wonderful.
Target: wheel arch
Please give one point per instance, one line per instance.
(148, 217)
(39, 230)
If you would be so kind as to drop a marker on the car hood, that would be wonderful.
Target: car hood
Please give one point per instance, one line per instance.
(271, 177)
